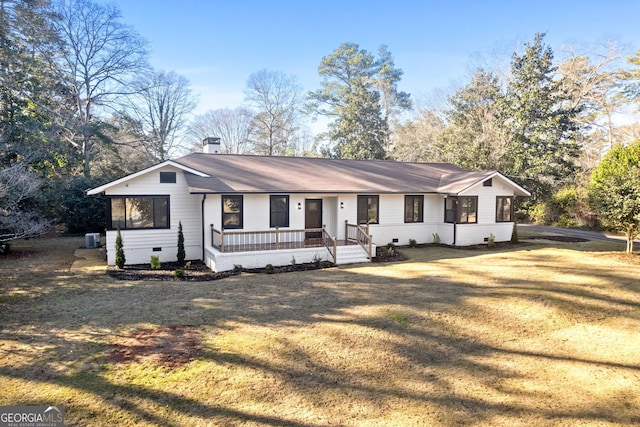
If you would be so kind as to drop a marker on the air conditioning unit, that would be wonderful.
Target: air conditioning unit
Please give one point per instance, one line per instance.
(92, 240)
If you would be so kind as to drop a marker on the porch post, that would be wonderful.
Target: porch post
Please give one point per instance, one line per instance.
(277, 238)
(346, 231)
(221, 239)
(335, 251)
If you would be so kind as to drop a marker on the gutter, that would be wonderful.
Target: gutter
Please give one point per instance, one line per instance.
(204, 197)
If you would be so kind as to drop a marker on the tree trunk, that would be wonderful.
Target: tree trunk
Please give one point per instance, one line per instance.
(86, 156)
(630, 235)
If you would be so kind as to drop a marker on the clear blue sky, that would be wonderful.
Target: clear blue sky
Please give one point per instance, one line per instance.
(217, 44)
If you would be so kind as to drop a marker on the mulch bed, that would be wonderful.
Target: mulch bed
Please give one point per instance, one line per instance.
(289, 268)
(383, 255)
(170, 346)
(196, 272)
(199, 272)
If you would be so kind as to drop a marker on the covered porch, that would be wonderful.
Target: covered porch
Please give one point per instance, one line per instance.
(283, 246)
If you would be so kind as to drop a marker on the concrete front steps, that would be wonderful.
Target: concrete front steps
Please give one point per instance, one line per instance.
(351, 254)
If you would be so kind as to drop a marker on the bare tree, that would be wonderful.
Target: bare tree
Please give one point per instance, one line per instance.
(18, 187)
(163, 102)
(276, 100)
(232, 126)
(593, 82)
(419, 140)
(101, 57)
(127, 154)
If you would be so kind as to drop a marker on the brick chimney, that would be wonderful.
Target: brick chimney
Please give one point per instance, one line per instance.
(211, 145)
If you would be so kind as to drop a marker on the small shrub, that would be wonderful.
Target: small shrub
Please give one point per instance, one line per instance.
(120, 258)
(491, 241)
(293, 261)
(181, 252)
(316, 260)
(436, 239)
(413, 243)
(387, 251)
(155, 262)
(178, 273)
(187, 265)
(269, 268)
(514, 233)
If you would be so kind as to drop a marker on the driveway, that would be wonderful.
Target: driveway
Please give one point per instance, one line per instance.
(597, 235)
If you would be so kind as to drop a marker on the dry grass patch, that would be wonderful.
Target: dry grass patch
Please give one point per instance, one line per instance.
(171, 346)
(544, 334)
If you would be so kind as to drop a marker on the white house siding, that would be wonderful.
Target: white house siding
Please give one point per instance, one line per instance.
(445, 232)
(217, 261)
(138, 245)
(256, 212)
(256, 218)
(393, 229)
(471, 234)
(338, 208)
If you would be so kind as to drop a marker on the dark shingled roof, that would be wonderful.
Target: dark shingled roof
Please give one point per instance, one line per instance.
(260, 174)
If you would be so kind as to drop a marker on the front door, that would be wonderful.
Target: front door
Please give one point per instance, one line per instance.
(313, 217)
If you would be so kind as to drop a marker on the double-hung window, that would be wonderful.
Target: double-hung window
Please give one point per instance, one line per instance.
(278, 211)
(137, 212)
(232, 212)
(461, 210)
(504, 209)
(450, 208)
(467, 210)
(368, 209)
(413, 209)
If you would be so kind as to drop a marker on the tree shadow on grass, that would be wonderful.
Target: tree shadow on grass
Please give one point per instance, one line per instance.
(62, 336)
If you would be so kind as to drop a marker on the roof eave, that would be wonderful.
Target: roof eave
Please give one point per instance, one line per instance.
(518, 190)
(105, 187)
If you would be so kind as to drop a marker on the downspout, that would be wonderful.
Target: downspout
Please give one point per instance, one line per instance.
(455, 222)
(204, 197)
(454, 231)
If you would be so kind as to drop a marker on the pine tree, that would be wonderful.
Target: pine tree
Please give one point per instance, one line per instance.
(120, 258)
(181, 252)
(359, 92)
(542, 123)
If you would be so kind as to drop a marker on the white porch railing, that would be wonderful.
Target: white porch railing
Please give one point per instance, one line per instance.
(270, 240)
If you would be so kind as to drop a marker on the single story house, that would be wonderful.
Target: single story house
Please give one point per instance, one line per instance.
(250, 211)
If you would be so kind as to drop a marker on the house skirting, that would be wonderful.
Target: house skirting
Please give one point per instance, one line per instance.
(219, 261)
